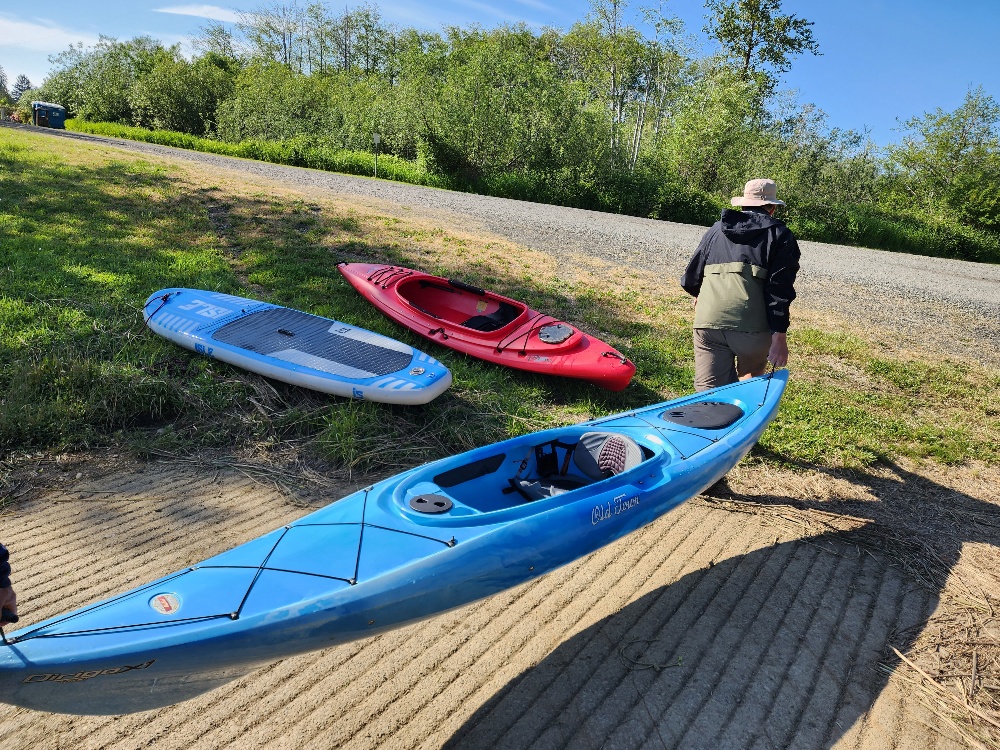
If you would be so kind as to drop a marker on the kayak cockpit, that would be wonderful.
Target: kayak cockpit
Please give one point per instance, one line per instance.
(460, 304)
(526, 472)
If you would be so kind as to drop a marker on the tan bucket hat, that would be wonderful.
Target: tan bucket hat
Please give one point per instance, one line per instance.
(759, 193)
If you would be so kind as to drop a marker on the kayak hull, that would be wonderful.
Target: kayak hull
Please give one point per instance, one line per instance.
(370, 562)
(488, 326)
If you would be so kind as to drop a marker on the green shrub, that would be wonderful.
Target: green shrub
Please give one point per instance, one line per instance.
(296, 152)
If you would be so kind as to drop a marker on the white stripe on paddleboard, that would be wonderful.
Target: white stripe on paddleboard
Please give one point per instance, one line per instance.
(382, 382)
(376, 339)
(231, 298)
(321, 364)
(169, 320)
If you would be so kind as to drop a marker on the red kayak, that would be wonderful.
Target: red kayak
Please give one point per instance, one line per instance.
(488, 326)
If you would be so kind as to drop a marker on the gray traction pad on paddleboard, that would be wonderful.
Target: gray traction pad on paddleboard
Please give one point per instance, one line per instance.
(281, 331)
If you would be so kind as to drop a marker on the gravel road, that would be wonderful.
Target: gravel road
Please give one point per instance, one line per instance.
(933, 304)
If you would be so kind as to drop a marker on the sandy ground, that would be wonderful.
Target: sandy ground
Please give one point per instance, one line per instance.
(708, 629)
(720, 626)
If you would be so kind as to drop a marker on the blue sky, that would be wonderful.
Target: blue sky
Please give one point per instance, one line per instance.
(882, 59)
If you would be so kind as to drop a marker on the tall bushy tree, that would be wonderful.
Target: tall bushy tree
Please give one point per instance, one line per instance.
(215, 39)
(608, 56)
(498, 104)
(95, 83)
(714, 130)
(180, 95)
(272, 102)
(949, 162)
(310, 39)
(65, 83)
(757, 38)
(276, 32)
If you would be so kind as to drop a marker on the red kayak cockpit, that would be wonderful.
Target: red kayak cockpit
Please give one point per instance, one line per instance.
(460, 304)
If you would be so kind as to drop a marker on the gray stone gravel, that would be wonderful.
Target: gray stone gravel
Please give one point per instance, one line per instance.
(947, 306)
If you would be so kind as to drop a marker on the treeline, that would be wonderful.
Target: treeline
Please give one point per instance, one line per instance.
(602, 115)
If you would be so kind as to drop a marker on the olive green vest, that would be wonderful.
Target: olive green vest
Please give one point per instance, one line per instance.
(732, 298)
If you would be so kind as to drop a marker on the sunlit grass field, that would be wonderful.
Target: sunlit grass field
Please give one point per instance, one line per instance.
(89, 232)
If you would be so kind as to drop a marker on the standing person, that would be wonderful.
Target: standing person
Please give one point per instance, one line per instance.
(742, 277)
(8, 599)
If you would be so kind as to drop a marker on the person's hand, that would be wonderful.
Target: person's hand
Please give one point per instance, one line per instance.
(778, 354)
(8, 605)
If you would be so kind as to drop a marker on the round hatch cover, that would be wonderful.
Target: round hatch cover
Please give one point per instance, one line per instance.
(555, 334)
(430, 503)
(706, 415)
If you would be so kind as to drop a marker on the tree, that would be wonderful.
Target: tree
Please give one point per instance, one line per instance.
(21, 85)
(661, 72)
(755, 36)
(5, 97)
(951, 160)
(216, 39)
(612, 60)
(276, 33)
(180, 95)
(714, 131)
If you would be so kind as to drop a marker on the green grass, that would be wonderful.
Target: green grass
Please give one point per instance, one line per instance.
(88, 238)
(876, 408)
(300, 152)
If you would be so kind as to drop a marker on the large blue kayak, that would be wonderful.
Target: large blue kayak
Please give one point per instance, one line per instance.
(425, 541)
(296, 347)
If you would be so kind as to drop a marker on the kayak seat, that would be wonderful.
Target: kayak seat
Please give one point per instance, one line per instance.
(600, 455)
(597, 456)
(495, 320)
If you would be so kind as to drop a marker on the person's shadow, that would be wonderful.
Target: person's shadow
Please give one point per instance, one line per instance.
(786, 646)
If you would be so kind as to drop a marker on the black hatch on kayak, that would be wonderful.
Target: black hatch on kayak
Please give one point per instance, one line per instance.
(704, 415)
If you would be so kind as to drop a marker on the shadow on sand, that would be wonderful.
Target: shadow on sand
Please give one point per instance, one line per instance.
(776, 648)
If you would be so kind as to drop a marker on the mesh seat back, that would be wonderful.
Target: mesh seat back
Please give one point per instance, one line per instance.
(600, 455)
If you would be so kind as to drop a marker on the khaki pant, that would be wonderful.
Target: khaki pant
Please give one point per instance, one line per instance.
(723, 357)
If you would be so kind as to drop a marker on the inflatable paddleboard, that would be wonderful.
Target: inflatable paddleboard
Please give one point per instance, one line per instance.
(295, 347)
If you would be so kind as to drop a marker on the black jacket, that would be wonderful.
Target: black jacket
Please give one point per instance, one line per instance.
(4, 568)
(758, 240)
